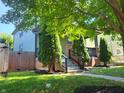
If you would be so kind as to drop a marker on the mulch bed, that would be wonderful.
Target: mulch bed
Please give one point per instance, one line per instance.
(102, 66)
(46, 72)
(42, 72)
(99, 89)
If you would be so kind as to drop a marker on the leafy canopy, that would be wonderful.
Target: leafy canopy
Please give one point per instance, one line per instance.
(62, 16)
(69, 17)
(49, 47)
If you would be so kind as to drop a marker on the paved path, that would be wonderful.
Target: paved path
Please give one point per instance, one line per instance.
(102, 76)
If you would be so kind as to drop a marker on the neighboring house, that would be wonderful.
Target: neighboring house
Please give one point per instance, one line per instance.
(24, 41)
(29, 42)
(115, 46)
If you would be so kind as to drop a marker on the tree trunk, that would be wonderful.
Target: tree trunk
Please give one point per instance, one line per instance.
(51, 66)
(82, 63)
(55, 67)
(58, 67)
(105, 64)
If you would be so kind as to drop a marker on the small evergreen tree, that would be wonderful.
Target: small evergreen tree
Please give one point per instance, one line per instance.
(105, 54)
(49, 49)
(80, 50)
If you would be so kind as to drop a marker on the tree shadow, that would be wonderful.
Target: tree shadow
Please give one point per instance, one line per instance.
(99, 89)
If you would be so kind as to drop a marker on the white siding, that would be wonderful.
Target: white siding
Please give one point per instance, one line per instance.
(24, 41)
(113, 46)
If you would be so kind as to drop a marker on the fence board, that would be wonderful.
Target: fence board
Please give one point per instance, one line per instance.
(4, 59)
(22, 61)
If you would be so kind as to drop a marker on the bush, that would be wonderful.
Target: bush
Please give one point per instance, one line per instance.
(80, 50)
(105, 54)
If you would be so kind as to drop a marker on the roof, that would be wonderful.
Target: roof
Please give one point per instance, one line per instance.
(14, 32)
(35, 30)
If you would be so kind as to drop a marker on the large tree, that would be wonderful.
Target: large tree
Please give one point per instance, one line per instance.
(104, 15)
(70, 17)
(118, 9)
(49, 49)
(26, 14)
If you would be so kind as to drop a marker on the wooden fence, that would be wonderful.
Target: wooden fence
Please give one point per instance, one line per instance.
(4, 58)
(21, 61)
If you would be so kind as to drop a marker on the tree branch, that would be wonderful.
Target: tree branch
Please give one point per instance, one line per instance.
(117, 10)
(102, 17)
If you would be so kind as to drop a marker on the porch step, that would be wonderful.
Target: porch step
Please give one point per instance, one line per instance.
(74, 71)
(72, 67)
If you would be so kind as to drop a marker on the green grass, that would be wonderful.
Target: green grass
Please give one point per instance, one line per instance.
(29, 82)
(116, 71)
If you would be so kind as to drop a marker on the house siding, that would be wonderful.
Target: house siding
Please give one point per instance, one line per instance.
(113, 46)
(24, 41)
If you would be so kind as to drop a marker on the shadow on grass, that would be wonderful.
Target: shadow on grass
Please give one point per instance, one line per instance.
(29, 82)
(99, 89)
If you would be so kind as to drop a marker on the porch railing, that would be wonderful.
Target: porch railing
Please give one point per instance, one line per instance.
(65, 61)
(74, 58)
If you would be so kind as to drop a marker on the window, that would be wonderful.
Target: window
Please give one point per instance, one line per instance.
(20, 34)
(118, 51)
(21, 47)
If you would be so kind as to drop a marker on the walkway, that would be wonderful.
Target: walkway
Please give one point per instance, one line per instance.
(102, 76)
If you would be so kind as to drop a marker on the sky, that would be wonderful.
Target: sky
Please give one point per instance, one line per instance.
(6, 28)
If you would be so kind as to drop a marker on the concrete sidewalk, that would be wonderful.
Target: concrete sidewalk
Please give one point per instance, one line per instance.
(101, 76)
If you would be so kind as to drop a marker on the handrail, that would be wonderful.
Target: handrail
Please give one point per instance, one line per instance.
(64, 56)
(66, 63)
(71, 56)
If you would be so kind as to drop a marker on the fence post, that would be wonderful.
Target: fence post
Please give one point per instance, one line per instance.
(69, 53)
(4, 59)
(66, 65)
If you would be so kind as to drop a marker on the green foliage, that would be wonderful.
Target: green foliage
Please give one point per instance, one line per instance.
(67, 17)
(80, 50)
(49, 47)
(105, 54)
(80, 17)
(56, 15)
(6, 39)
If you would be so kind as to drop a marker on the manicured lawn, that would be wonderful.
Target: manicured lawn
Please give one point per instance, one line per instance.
(115, 71)
(29, 82)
